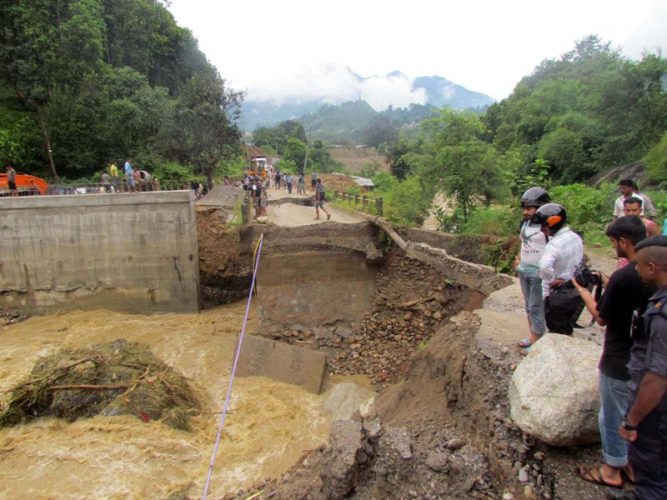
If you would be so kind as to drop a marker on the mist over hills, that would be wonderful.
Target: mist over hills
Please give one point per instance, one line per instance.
(334, 86)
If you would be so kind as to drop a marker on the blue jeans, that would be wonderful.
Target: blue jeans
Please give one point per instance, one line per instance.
(614, 399)
(531, 286)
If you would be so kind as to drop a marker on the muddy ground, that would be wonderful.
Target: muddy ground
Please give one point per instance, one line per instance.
(440, 428)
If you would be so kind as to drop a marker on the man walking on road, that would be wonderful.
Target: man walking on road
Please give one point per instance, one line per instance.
(288, 182)
(320, 198)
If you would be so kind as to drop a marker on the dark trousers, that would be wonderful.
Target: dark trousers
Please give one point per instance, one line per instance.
(648, 456)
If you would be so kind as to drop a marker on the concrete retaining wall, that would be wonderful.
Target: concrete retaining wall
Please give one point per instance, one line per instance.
(314, 288)
(133, 252)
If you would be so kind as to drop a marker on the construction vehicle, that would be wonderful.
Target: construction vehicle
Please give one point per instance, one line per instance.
(26, 185)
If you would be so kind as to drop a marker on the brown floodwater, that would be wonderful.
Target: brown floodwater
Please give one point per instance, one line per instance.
(271, 425)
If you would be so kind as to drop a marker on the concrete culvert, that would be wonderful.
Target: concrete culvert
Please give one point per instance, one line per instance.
(116, 378)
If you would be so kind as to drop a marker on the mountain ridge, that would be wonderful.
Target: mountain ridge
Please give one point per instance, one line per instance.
(430, 90)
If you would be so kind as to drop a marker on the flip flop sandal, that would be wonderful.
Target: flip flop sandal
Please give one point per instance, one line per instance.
(594, 476)
(524, 343)
(626, 477)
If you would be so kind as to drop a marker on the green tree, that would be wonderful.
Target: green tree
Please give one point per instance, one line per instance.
(381, 130)
(296, 153)
(463, 165)
(205, 130)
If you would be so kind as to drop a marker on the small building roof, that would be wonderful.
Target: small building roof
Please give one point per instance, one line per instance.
(363, 181)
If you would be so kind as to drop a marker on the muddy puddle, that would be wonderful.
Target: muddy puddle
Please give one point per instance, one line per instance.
(271, 425)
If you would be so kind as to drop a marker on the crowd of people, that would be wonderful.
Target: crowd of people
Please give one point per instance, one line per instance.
(258, 182)
(133, 180)
(632, 306)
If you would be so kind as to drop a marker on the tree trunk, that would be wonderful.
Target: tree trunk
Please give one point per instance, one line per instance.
(47, 142)
(209, 178)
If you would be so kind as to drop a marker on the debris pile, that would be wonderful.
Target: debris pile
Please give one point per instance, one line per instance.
(117, 378)
(411, 303)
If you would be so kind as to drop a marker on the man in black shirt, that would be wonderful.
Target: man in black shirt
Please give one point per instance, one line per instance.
(625, 295)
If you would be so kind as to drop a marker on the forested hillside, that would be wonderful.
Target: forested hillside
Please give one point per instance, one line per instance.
(581, 113)
(589, 110)
(86, 82)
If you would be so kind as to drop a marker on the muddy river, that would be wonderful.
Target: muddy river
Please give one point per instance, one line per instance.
(270, 427)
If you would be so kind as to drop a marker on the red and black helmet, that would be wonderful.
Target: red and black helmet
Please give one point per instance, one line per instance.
(551, 215)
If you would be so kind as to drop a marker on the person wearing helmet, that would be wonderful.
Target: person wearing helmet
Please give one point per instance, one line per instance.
(527, 266)
(562, 254)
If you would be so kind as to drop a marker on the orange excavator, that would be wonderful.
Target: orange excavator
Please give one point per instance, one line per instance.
(26, 185)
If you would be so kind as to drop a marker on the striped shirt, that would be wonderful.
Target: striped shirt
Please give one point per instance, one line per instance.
(563, 253)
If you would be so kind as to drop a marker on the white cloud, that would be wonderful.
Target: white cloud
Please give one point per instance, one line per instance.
(484, 45)
(336, 83)
(382, 91)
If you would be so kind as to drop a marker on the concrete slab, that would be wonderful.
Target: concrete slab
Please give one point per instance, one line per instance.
(283, 362)
(226, 197)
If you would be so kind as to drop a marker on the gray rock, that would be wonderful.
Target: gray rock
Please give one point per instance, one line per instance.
(523, 476)
(553, 393)
(372, 427)
(340, 470)
(398, 439)
(436, 461)
(455, 444)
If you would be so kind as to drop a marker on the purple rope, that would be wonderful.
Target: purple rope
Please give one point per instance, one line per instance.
(225, 408)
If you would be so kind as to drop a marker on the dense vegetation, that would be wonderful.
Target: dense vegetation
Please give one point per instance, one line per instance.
(575, 116)
(87, 82)
(297, 152)
(586, 111)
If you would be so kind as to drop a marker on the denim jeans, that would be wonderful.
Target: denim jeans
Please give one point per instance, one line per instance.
(614, 399)
(531, 286)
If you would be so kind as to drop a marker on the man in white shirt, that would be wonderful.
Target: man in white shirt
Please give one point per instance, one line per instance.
(563, 253)
(629, 188)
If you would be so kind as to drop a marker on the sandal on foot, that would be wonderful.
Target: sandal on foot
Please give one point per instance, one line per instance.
(328, 216)
(524, 351)
(625, 476)
(594, 475)
(524, 342)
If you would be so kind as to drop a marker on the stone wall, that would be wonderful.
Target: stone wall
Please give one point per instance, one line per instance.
(133, 252)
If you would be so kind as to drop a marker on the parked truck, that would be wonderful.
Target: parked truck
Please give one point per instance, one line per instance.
(26, 185)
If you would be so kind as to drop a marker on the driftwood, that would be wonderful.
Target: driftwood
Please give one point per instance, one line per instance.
(103, 387)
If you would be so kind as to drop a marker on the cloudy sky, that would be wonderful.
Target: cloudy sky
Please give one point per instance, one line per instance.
(279, 48)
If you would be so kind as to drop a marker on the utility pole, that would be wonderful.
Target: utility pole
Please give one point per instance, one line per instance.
(305, 161)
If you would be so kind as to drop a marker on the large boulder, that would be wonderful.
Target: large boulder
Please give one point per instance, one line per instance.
(554, 391)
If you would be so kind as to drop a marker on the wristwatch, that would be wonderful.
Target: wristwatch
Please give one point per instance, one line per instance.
(627, 426)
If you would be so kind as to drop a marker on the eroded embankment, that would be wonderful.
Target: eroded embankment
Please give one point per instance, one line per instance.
(442, 430)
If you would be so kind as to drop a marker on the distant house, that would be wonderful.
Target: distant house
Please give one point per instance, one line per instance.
(364, 182)
(256, 157)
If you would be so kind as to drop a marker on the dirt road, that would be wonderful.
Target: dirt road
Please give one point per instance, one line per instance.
(291, 214)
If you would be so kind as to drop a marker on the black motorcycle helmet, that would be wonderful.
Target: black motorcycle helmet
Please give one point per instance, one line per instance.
(551, 215)
(535, 197)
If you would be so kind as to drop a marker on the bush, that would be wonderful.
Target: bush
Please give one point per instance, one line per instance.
(585, 204)
(656, 161)
(405, 203)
